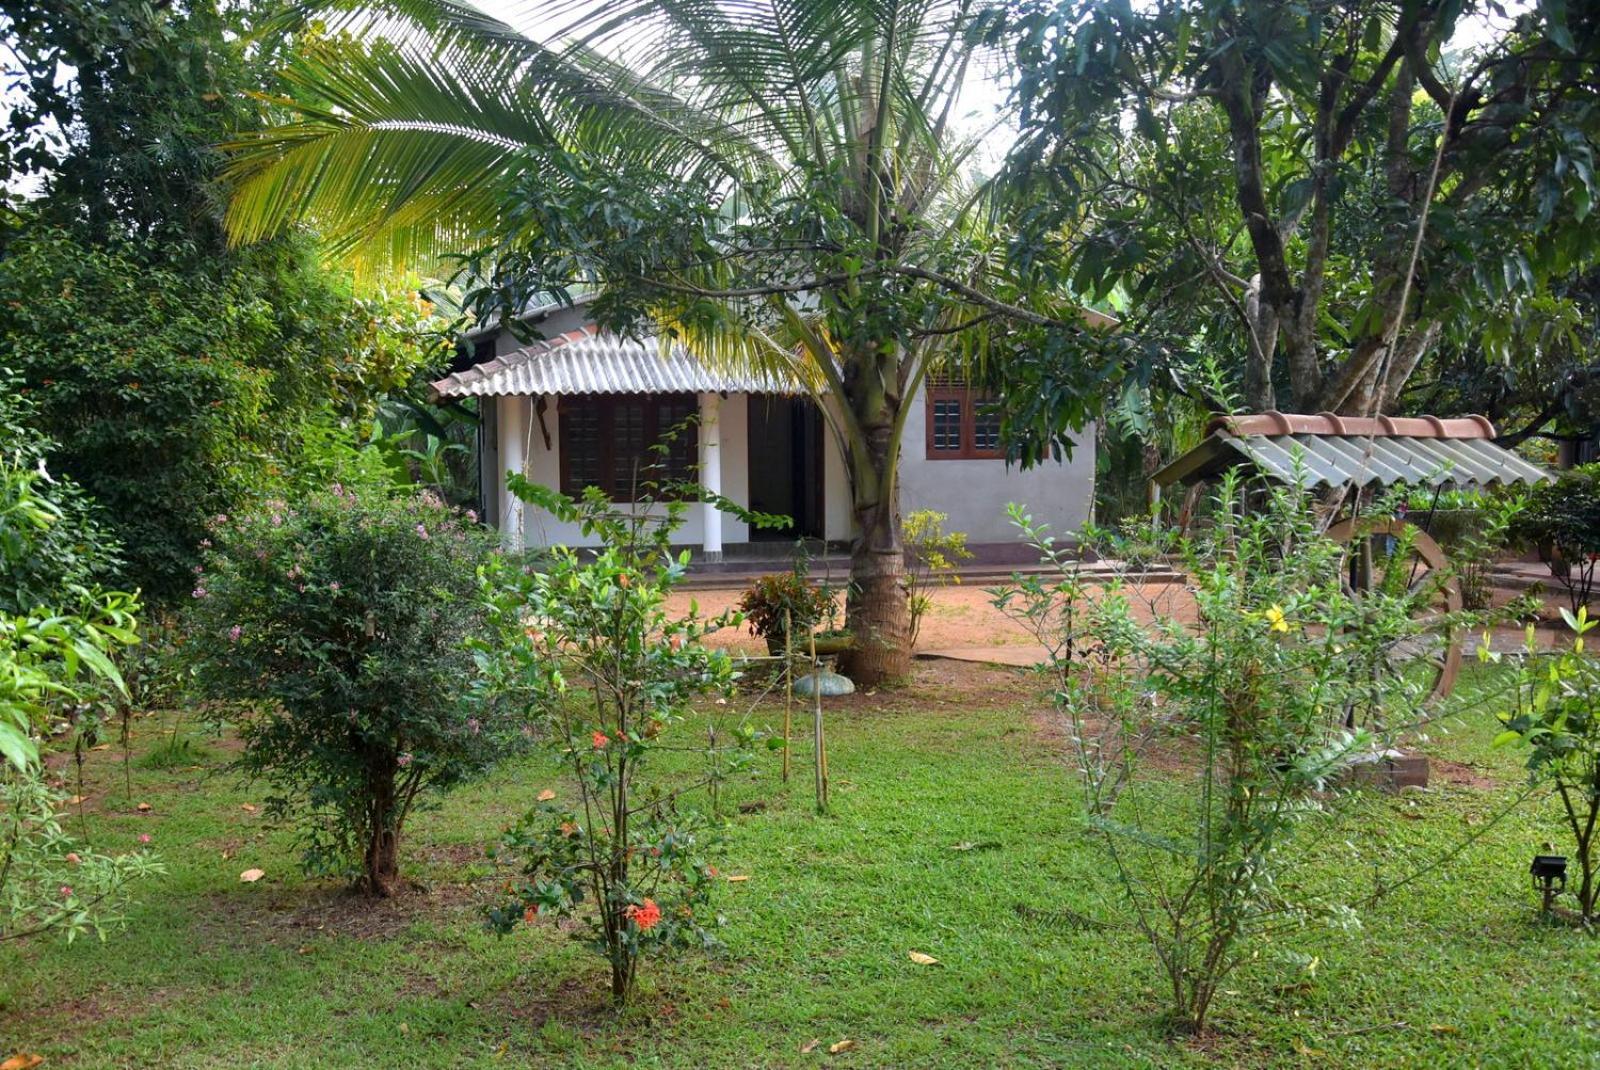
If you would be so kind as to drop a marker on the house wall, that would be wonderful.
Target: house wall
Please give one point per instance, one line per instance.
(543, 465)
(974, 494)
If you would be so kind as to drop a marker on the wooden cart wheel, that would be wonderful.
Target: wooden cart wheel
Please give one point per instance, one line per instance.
(1423, 574)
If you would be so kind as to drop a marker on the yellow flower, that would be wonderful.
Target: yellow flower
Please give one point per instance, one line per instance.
(1275, 619)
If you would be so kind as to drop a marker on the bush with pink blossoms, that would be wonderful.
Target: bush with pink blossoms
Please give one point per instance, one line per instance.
(339, 625)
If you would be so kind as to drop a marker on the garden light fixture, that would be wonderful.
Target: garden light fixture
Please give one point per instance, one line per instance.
(1549, 876)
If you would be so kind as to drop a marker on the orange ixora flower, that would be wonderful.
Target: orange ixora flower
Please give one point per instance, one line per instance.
(530, 914)
(644, 915)
(600, 740)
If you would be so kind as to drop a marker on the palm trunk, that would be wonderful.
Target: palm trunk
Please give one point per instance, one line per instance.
(877, 610)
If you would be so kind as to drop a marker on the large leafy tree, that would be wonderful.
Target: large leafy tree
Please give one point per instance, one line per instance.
(785, 184)
(175, 378)
(1322, 190)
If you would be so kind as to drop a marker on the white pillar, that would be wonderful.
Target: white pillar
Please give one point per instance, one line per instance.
(711, 473)
(513, 458)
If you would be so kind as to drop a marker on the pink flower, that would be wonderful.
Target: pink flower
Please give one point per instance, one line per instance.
(72, 856)
(334, 586)
(66, 891)
(472, 515)
(144, 837)
(199, 592)
(422, 531)
(600, 740)
(403, 761)
(473, 726)
(205, 544)
(234, 633)
(222, 518)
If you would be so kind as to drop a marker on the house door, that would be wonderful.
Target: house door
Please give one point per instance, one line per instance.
(786, 441)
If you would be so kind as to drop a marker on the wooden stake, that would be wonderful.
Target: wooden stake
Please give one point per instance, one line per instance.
(788, 688)
(819, 746)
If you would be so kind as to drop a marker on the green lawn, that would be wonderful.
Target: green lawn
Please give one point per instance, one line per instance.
(1453, 970)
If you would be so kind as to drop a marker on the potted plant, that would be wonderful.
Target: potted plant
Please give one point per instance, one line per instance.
(785, 599)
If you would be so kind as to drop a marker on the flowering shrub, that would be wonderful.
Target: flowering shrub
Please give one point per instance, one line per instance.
(588, 645)
(341, 624)
(933, 559)
(1253, 695)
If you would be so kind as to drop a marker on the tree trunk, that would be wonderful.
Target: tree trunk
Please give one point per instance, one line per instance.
(877, 609)
(381, 865)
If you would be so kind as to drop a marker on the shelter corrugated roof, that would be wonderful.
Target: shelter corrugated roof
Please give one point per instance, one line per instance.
(1334, 451)
(591, 361)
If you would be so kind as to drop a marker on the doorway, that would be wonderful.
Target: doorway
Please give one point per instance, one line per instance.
(786, 442)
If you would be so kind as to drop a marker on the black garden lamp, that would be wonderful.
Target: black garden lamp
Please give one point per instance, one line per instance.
(1549, 876)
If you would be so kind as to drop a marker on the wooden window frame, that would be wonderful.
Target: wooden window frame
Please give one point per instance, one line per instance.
(608, 404)
(970, 400)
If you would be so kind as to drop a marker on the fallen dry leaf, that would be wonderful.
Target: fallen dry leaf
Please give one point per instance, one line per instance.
(143, 808)
(735, 878)
(1443, 1029)
(546, 795)
(250, 876)
(23, 1060)
(74, 801)
(923, 960)
(843, 1045)
(810, 1046)
(103, 746)
(247, 808)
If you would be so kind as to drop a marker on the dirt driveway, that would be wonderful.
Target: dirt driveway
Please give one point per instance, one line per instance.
(961, 618)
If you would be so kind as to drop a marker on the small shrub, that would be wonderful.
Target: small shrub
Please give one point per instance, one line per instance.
(341, 623)
(1255, 694)
(1555, 713)
(608, 674)
(783, 599)
(1564, 517)
(933, 559)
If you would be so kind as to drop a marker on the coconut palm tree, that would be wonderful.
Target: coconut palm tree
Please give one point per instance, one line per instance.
(785, 183)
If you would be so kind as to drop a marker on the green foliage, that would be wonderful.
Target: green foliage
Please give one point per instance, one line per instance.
(1247, 178)
(933, 559)
(175, 393)
(1252, 697)
(608, 675)
(341, 624)
(52, 541)
(784, 605)
(1555, 713)
(117, 107)
(1563, 516)
(50, 883)
(58, 638)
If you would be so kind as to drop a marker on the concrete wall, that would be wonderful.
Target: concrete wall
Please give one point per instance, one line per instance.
(974, 494)
(543, 466)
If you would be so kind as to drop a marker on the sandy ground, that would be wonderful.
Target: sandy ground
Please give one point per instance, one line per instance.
(961, 617)
(964, 623)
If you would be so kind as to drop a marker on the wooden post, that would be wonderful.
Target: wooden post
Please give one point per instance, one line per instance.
(788, 687)
(819, 744)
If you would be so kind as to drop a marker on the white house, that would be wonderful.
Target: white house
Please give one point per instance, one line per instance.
(586, 407)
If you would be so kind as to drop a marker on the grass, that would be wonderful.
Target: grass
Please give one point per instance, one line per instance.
(1454, 969)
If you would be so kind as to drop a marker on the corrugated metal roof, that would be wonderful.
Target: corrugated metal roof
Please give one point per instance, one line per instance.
(598, 362)
(1314, 460)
